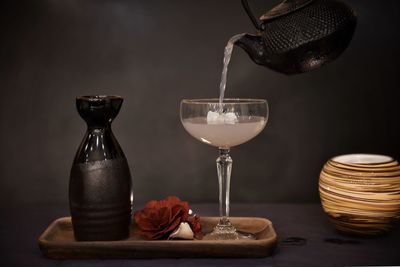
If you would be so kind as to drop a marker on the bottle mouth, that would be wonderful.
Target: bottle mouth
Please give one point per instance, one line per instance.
(95, 98)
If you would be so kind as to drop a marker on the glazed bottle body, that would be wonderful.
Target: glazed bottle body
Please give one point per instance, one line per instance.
(100, 182)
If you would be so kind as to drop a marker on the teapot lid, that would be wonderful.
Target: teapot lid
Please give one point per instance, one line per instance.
(284, 8)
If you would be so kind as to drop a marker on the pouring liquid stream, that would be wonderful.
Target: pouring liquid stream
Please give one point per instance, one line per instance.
(227, 58)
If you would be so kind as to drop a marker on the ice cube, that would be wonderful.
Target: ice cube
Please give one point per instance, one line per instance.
(221, 118)
(230, 118)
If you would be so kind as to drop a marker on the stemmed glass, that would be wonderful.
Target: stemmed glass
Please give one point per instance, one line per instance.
(224, 125)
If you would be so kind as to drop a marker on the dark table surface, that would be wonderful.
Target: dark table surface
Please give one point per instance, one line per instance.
(322, 246)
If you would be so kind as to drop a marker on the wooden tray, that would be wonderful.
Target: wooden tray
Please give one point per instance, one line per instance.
(57, 242)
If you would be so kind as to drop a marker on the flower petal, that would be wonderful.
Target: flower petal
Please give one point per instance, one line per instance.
(158, 219)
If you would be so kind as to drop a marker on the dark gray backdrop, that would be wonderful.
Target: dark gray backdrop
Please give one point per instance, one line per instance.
(154, 53)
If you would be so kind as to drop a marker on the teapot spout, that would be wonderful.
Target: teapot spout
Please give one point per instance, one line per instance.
(254, 47)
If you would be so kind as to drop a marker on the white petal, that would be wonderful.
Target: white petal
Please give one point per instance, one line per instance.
(182, 232)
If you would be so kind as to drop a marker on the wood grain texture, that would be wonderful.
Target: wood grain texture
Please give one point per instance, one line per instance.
(57, 242)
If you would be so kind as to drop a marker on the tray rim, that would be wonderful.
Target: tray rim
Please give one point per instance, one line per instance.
(270, 240)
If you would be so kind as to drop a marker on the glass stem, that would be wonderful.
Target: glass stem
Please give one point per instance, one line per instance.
(224, 168)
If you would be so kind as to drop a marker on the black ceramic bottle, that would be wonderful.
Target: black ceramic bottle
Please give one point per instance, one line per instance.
(100, 183)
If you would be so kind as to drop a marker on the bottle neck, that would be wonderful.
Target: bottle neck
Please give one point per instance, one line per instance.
(101, 123)
(99, 127)
(98, 144)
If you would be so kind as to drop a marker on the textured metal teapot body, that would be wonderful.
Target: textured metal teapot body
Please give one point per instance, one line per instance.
(299, 35)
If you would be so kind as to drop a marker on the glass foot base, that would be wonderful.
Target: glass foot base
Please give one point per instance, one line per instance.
(227, 232)
(229, 236)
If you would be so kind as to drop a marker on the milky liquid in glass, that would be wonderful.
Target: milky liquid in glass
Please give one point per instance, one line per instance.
(224, 135)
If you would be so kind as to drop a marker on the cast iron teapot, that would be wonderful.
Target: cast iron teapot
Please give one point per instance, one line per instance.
(299, 35)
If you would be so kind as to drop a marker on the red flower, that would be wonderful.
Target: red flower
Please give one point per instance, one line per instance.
(160, 218)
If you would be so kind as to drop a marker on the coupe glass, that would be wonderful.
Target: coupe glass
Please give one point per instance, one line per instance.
(224, 125)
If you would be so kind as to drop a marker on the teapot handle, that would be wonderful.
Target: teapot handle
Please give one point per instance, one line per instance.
(259, 26)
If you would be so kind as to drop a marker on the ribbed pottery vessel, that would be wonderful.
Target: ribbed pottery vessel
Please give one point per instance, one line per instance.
(361, 193)
(100, 194)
